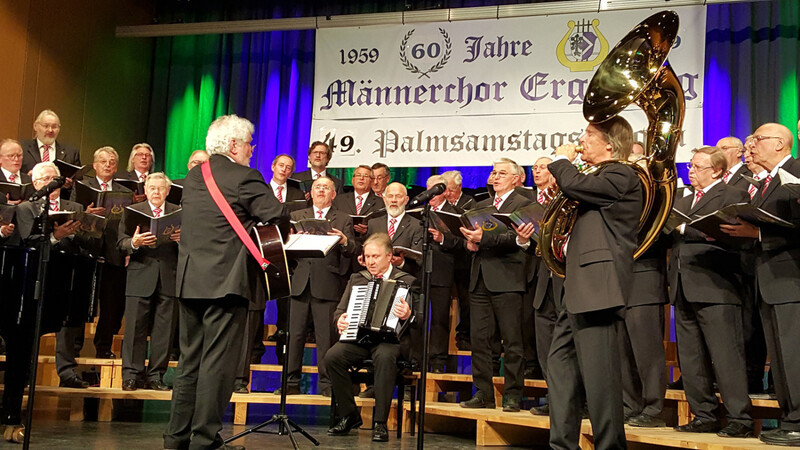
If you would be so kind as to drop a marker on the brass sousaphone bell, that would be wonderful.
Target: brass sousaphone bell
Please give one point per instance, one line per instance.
(635, 71)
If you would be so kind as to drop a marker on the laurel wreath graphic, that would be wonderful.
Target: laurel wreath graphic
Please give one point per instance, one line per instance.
(448, 46)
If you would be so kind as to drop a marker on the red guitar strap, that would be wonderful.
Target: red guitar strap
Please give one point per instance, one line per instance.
(230, 216)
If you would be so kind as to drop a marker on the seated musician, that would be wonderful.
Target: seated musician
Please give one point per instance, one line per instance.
(342, 356)
(19, 336)
(317, 285)
(150, 292)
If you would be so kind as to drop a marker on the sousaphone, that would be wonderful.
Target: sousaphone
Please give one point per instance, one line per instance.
(635, 71)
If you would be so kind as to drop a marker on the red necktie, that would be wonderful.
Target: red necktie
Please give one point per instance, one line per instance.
(142, 177)
(360, 204)
(497, 202)
(53, 205)
(316, 175)
(540, 198)
(279, 195)
(12, 177)
(157, 212)
(726, 176)
(752, 191)
(104, 186)
(319, 214)
(766, 183)
(46, 153)
(697, 197)
(392, 221)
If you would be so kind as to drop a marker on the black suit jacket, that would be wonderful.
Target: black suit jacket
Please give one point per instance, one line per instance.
(444, 254)
(347, 203)
(306, 176)
(599, 261)
(212, 261)
(31, 156)
(149, 265)
(465, 202)
(649, 285)
(709, 271)
(778, 252)
(326, 276)
(736, 180)
(26, 215)
(408, 233)
(108, 248)
(499, 260)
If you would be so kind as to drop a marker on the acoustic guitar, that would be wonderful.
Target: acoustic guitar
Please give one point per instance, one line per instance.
(269, 242)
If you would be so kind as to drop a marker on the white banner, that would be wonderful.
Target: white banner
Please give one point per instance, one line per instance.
(466, 93)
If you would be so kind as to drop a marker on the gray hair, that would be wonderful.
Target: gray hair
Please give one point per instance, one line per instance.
(225, 129)
(47, 112)
(435, 179)
(133, 154)
(37, 169)
(514, 166)
(157, 176)
(106, 149)
(454, 175)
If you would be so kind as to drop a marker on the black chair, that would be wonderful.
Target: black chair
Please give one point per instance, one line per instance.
(362, 373)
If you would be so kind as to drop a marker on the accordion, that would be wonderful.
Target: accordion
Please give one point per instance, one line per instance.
(369, 312)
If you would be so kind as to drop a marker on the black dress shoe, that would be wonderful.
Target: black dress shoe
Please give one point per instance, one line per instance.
(533, 373)
(511, 405)
(291, 389)
(677, 384)
(380, 433)
(345, 425)
(174, 356)
(478, 402)
(129, 385)
(156, 385)
(74, 382)
(105, 355)
(543, 410)
(240, 387)
(781, 437)
(326, 392)
(369, 392)
(698, 426)
(645, 421)
(736, 430)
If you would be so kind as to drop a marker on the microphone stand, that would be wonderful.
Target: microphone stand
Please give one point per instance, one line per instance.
(38, 296)
(427, 269)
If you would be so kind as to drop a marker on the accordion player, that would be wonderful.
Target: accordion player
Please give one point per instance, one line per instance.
(370, 315)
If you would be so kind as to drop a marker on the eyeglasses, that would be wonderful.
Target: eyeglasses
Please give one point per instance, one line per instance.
(46, 179)
(732, 147)
(381, 177)
(758, 138)
(501, 174)
(13, 156)
(49, 126)
(361, 175)
(321, 187)
(698, 168)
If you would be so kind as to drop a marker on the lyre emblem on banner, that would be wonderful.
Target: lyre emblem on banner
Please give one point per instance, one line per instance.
(583, 47)
(440, 52)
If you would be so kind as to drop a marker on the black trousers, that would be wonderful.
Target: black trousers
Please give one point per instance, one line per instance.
(343, 355)
(305, 310)
(112, 306)
(69, 342)
(440, 325)
(210, 349)
(755, 345)
(783, 334)
(506, 309)
(529, 328)
(19, 347)
(545, 319)
(462, 291)
(710, 343)
(583, 369)
(252, 336)
(152, 316)
(644, 376)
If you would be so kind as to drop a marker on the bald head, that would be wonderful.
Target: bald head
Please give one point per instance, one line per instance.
(541, 175)
(732, 148)
(770, 144)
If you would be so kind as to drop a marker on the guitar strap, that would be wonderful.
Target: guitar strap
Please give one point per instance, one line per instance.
(230, 216)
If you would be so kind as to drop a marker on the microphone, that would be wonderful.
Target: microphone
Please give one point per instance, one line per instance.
(425, 196)
(48, 188)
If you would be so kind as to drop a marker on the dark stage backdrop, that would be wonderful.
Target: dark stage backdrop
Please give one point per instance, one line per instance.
(751, 78)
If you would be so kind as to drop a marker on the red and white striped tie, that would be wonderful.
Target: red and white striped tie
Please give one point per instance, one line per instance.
(12, 178)
(540, 198)
(392, 221)
(156, 212)
(497, 202)
(142, 177)
(104, 186)
(279, 195)
(697, 197)
(360, 204)
(53, 205)
(319, 214)
(726, 176)
(46, 153)
(766, 183)
(752, 191)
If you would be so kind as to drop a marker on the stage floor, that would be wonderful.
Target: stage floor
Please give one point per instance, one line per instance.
(61, 435)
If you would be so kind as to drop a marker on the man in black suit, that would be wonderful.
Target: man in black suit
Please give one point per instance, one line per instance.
(404, 230)
(319, 155)
(19, 337)
(112, 278)
(317, 284)
(461, 202)
(497, 282)
(46, 128)
(443, 250)
(216, 278)
(195, 159)
(381, 176)
(11, 166)
(583, 366)
(360, 202)
(377, 256)
(140, 164)
(150, 307)
(706, 289)
(755, 346)
(777, 264)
